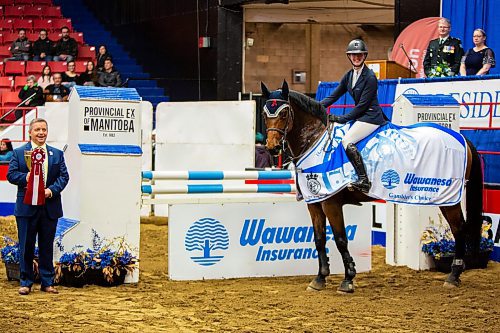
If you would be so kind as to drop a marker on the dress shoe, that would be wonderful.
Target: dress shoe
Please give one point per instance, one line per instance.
(24, 291)
(49, 289)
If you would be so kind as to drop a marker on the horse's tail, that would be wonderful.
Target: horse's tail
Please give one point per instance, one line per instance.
(474, 201)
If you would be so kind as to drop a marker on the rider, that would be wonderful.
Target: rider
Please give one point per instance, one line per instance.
(367, 114)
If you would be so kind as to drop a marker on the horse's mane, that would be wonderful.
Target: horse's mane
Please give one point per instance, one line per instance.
(308, 105)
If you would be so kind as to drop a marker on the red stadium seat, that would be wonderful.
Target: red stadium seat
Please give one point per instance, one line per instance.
(13, 11)
(57, 66)
(19, 82)
(24, 2)
(35, 67)
(44, 2)
(10, 99)
(6, 25)
(15, 68)
(86, 53)
(32, 36)
(39, 24)
(6, 83)
(78, 36)
(80, 66)
(5, 2)
(9, 37)
(23, 23)
(52, 12)
(33, 12)
(58, 23)
(4, 52)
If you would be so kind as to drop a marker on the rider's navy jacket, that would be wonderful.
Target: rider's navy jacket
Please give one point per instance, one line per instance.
(365, 98)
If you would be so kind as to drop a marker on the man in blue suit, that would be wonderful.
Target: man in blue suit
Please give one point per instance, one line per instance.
(362, 85)
(42, 219)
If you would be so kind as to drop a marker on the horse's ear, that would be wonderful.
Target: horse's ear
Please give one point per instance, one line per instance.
(284, 89)
(265, 91)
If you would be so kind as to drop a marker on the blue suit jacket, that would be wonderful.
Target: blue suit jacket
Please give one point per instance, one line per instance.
(365, 98)
(57, 179)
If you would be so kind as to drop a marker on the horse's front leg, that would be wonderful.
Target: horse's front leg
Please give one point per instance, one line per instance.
(336, 218)
(318, 219)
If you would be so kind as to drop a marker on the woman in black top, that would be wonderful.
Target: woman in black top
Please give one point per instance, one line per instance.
(479, 59)
(69, 77)
(89, 77)
(32, 91)
(102, 55)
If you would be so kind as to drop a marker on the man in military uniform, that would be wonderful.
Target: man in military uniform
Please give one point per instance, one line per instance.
(444, 49)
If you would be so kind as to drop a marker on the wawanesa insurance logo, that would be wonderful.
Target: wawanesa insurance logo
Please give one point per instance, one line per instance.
(390, 179)
(208, 239)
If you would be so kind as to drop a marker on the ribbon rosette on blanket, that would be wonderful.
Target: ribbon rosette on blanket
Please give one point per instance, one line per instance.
(35, 191)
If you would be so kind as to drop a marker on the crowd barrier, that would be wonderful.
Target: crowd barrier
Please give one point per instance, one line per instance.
(267, 176)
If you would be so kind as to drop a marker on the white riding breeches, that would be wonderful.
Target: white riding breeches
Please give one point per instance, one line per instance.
(358, 131)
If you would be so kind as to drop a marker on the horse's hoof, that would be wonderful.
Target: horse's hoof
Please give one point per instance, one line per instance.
(346, 287)
(316, 285)
(451, 284)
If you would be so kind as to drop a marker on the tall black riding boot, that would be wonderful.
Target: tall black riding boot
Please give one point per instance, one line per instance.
(362, 184)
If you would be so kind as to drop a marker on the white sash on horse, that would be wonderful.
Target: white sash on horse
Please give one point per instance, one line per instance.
(422, 164)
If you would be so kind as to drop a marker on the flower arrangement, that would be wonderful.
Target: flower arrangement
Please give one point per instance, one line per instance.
(438, 240)
(10, 257)
(441, 69)
(106, 263)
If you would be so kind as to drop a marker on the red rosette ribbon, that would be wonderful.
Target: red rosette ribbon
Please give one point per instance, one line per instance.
(35, 191)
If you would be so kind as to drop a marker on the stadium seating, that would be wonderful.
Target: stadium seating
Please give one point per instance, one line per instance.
(78, 36)
(52, 12)
(57, 66)
(58, 23)
(32, 36)
(9, 37)
(6, 83)
(86, 53)
(15, 68)
(4, 52)
(6, 25)
(10, 99)
(23, 23)
(35, 67)
(80, 66)
(19, 82)
(13, 11)
(39, 24)
(33, 12)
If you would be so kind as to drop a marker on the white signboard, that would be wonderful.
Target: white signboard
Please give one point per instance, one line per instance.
(470, 91)
(215, 241)
(110, 123)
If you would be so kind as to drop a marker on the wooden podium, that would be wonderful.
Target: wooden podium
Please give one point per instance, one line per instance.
(386, 69)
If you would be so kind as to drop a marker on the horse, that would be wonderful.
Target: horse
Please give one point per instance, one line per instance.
(299, 121)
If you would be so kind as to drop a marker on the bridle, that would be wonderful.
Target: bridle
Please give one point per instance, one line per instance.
(282, 105)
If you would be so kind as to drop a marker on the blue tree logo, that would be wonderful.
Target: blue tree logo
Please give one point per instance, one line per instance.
(207, 235)
(390, 179)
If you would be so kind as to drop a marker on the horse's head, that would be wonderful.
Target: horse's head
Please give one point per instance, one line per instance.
(278, 115)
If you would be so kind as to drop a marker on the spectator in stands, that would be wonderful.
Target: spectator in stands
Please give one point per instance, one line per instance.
(263, 158)
(6, 150)
(444, 49)
(46, 78)
(56, 92)
(43, 47)
(89, 77)
(479, 59)
(66, 48)
(109, 77)
(69, 77)
(31, 94)
(20, 48)
(102, 55)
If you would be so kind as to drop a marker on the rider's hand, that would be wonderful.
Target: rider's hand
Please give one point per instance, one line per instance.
(334, 118)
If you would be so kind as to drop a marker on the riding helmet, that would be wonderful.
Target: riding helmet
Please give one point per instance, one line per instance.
(356, 46)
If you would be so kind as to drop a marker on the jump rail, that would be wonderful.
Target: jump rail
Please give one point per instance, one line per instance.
(216, 175)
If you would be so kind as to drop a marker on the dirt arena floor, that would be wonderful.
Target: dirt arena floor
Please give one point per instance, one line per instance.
(388, 299)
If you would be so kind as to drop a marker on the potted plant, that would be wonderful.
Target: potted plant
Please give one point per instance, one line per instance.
(439, 243)
(10, 257)
(441, 69)
(104, 265)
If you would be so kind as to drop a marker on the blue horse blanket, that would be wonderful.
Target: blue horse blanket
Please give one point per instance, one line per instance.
(421, 164)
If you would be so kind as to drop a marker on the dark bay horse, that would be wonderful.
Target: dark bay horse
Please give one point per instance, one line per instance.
(299, 121)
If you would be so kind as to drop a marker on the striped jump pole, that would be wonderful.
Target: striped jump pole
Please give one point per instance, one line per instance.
(218, 188)
(217, 175)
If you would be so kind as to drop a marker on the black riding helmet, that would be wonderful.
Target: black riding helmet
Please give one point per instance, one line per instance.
(357, 46)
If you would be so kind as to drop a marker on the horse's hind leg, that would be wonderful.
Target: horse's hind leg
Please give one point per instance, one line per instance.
(318, 219)
(336, 218)
(455, 218)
